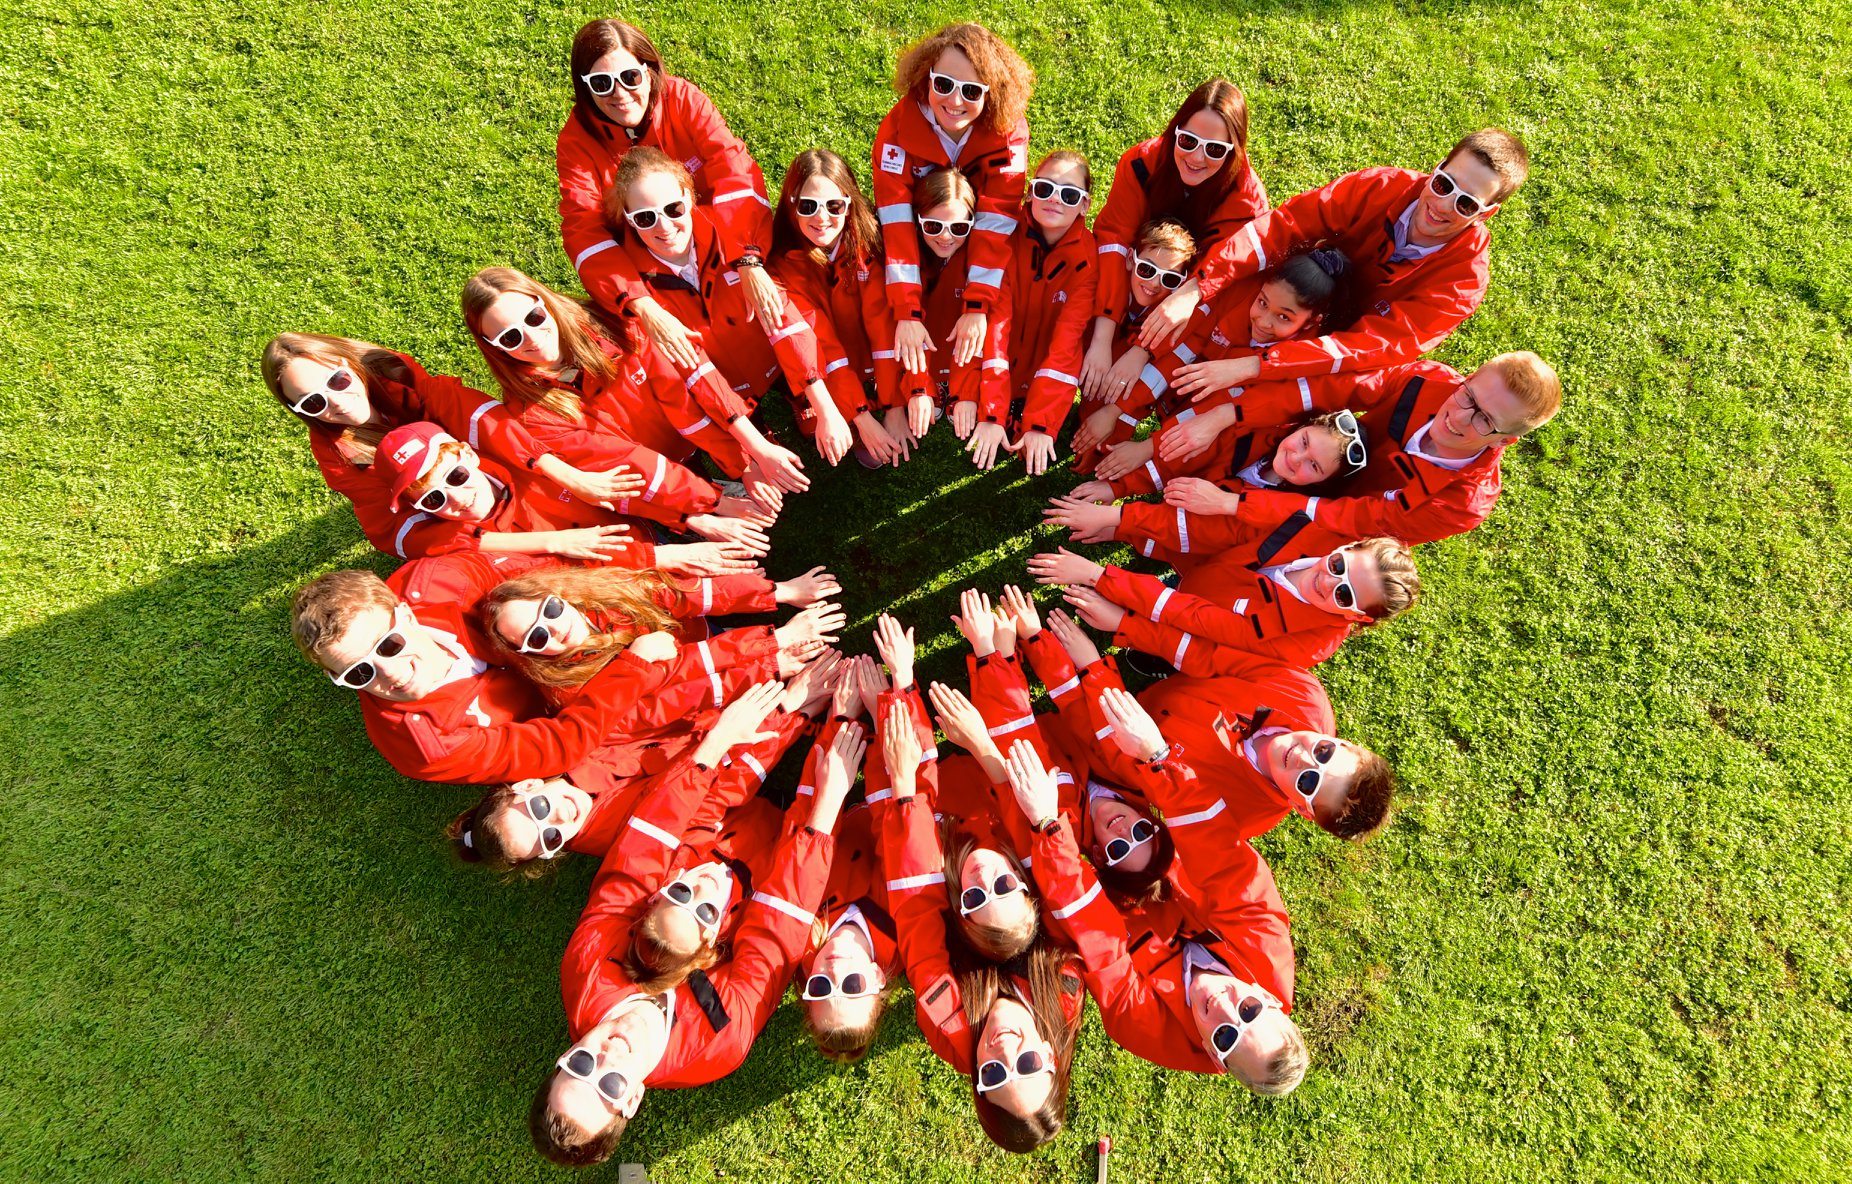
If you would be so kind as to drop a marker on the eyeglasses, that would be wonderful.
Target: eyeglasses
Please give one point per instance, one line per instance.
(678, 893)
(1226, 1036)
(603, 82)
(1146, 270)
(316, 402)
(539, 808)
(645, 218)
(1441, 185)
(1041, 189)
(1355, 454)
(360, 675)
(436, 499)
(582, 1064)
(1476, 414)
(1308, 782)
(935, 227)
(1213, 149)
(511, 338)
(854, 985)
(975, 897)
(551, 609)
(807, 207)
(1119, 850)
(945, 84)
(1345, 593)
(995, 1074)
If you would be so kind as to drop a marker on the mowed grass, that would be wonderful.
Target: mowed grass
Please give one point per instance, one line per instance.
(1605, 937)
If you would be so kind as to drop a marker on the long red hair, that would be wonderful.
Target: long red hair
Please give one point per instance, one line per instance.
(583, 336)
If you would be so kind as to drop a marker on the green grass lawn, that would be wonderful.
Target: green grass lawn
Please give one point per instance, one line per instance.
(1605, 937)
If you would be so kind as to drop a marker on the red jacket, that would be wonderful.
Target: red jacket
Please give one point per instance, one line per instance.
(851, 297)
(525, 502)
(1187, 711)
(1128, 208)
(469, 415)
(1409, 307)
(985, 379)
(906, 148)
(683, 122)
(736, 353)
(1233, 451)
(643, 411)
(1052, 292)
(1228, 605)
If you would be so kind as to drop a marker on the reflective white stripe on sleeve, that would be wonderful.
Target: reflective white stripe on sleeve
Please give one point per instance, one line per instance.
(1150, 548)
(879, 796)
(398, 540)
(1183, 531)
(1113, 249)
(1241, 605)
(1311, 508)
(691, 429)
(752, 762)
(903, 273)
(838, 364)
(1182, 647)
(901, 212)
(1175, 820)
(1013, 725)
(931, 754)
(1157, 478)
(1186, 415)
(1127, 420)
(804, 791)
(801, 916)
(1151, 378)
(992, 276)
(1185, 353)
(906, 883)
(735, 195)
(884, 355)
(1063, 778)
(579, 260)
(707, 660)
(1086, 898)
(1260, 252)
(791, 330)
(995, 223)
(1058, 376)
(1157, 609)
(1335, 350)
(655, 832)
(1064, 688)
(994, 364)
(475, 418)
(707, 595)
(705, 369)
(1103, 732)
(655, 483)
(1305, 395)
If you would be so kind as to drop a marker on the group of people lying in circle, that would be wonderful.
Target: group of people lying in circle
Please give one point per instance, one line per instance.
(570, 542)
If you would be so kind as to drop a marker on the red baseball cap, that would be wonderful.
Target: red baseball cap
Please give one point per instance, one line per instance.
(407, 453)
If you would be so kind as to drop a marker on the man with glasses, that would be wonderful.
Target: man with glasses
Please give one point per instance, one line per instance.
(1418, 241)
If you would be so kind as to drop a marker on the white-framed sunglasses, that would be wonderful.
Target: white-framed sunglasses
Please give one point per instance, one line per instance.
(1442, 185)
(1120, 850)
(646, 218)
(437, 497)
(537, 637)
(515, 335)
(1309, 780)
(1225, 1037)
(1213, 149)
(316, 402)
(996, 1074)
(1355, 454)
(681, 895)
(945, 84)
(810, 207)
(603, 82)
(977, 896)
(539, 808)
(358, 676)
(582, 1063)
(937, 226)
(1041, 189)
(1144, 269)
(854, 985)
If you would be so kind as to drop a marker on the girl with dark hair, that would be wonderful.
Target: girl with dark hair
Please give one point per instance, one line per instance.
(1197, 173)
(622, 99)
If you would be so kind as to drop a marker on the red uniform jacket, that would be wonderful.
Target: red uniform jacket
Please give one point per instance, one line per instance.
(1409, 307)
(1052, 292)
(851, 297)
(985, 379)
(682, 122)
(1226, 605)
(1233, 451)
(526, 502)
(469, 415)
(1128, 208)
(906, 148)
(1187, 711)
(738, 356)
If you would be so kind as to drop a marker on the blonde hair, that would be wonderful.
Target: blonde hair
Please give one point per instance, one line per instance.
(944, 187)
(1401, 582)
(638, 163)
(850, 1042)
(370, 363)
(1066, 156)
(1500, 151)
(578, 340)
(653, 965)
(1167, 234)
(997, 64)
(327, 604)
(624, 595)
(1535, 384)
(1286, 1068)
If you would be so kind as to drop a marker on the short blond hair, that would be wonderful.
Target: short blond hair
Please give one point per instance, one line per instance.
(1535, 384)
(1500, 151)
(1167, 234)
(1286, 1068)
(328, 604)
(1401, 582)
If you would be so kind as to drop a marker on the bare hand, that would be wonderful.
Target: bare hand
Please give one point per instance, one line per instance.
(1193, 495)
(1123, 374)
(1038, 452)
(763, 294)
(1095, 428)
(1124, 458)
(834, 439)
(809, 688)
(604, 489)
(1037, 793)
(919, 415)
(1097, 492)
(961, 721)
(781, 467)
(968, 337)
(1180, 442)
(742, 532)
(977, 622)
(1094, 609)
(669, 334)
(602, 543)
(895, 645)
(964, 418)
(1065, 567)
(1075, 640)
(1096, 363)
(740, 720)
(1216, 374)
(659, 646)
(911, 341)
(706, 559)
(894, 421)
(900, 746)
(820, 622)
(986, 438)
(1017, 608)
(805, 590)
(1164, 324)
(871, 683)
(1086, 522)
(1133, 729)
(877, 441)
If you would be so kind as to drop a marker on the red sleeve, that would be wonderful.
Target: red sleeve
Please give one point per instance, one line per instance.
(741, 210)
(595, 255)
(999, 201)
(745, 769)
(1115, 230)
(917, 897)
(1057, 375)
(893, 186)
(1146, 596)
(877, 785)
(707, 674)
(706, 596)
(799, 354)
(994, 381)
(1295, 223)
(773, 934)
(1052, 666)
(1414, 325)
(1237, 896)
(842, 379)
(1155, 527)
(692, 418)
(1412, 513)
(878, 324)
(673, 493)
(476, 419)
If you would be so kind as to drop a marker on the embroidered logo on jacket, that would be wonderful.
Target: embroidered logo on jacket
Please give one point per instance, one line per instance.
(1061, 296)
(693, 164)
(1219, 337)
(893, 159)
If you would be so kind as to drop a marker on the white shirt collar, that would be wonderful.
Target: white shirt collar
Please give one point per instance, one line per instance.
(1247, 747)
(1405, 250)
(463, 664)
(1197, 958)
(851, 916)
(1251, 475)
(1414, 448)
(952, 147)
(689, 273)
(1279, 571)
(1096, 791)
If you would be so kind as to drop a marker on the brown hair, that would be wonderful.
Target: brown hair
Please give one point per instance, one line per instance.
(847, 1044)
(1167, 234)
(1366, 805)
(1043, 964)
(598, 38)
(560, 1141)
(370, 363)
(616, 591)
(943, 187)
(580, 330)
(1534, 382)
(1065, 156)
(326, 604)
(653, 965)
(1401, 582)
(998, 66)
(1149, 886)
(638, 163)
(1286, 1068)
(861, 233)
(487, 845)
(990, 942)
(1166, 196)
(1500, 151)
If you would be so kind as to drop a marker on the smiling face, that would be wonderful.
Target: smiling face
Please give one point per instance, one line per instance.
(1053, 216)
(844, 954)
(516, 621)
(671, 239)
(1114, 819)
(1277, 313)
(678, 928)
(954, 113)
(1013, 911)
(343, 391)
(1308, 456)
(629, 1041)
(1149, 292)
(945, 244)
(1361, 570)
(623, 107)
(1217, 999)
(468, 495)
(522, 318)
(564, 807)
(1195, 166)
(1438, 218)
(1483, 412)
(1292, 754)
(411, 673)
(822, 228)
(1009, 1031)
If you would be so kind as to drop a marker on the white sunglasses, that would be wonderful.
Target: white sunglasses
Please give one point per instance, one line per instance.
(647, 217)
(1213, 149)
(515, 335)
(316, 402)
(603, 82)
(358, 676)
(1144, 269)
(945, 84)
